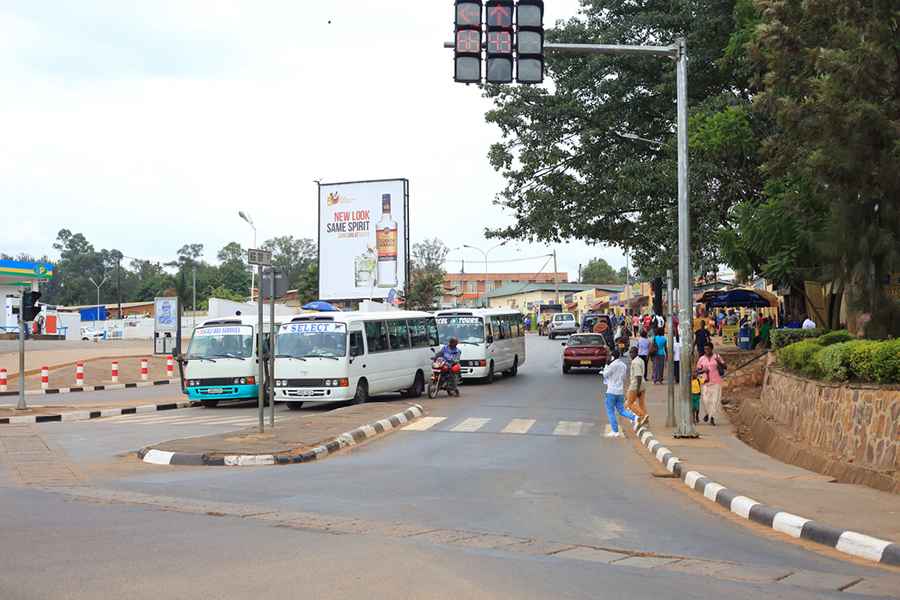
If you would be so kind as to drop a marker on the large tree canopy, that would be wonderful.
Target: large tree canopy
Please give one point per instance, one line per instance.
(569, 171)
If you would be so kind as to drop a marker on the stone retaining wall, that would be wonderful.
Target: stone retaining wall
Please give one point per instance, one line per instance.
(853, 423)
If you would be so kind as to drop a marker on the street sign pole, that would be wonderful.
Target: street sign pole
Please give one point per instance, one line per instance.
(260, 376)
(272, 350)
(21, 405)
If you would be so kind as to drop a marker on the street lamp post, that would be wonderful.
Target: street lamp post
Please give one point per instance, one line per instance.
(249, 221)
(97, 309)
(485, 254)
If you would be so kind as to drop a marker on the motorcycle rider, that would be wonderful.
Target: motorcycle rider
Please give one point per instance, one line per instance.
(451, 355)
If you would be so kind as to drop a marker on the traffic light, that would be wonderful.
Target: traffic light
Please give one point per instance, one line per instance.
(467, 48)
(530, 41)
(499, 41)
(31, 310)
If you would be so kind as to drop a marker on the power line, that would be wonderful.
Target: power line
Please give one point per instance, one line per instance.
(501, 261)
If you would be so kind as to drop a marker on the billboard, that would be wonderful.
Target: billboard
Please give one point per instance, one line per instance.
(363, 239)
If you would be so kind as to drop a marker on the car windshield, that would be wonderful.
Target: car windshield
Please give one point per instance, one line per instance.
(312, 339)
(222, 342)
(586, 340)
(468, 330)
(564, 318)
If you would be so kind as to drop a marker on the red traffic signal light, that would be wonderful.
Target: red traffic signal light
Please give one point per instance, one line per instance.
(467, 42)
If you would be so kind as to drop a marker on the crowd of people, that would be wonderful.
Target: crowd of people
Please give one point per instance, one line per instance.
(642, 352)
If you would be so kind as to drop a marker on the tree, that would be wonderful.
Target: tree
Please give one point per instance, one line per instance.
(830, 75)
(599, 271)
(292, 256)
(233, 269)
(308, 284)
(570, 173)
(426, 285)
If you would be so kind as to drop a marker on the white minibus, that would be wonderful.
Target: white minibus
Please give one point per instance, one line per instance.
(492, 340)
(221, 361)
(340, 356)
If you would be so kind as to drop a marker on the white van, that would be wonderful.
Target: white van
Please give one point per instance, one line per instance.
(221, 361)
(492, 340)
(339, 356)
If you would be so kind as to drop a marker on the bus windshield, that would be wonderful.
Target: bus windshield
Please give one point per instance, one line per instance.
(468, 330)
(312, 339)
(231, 341)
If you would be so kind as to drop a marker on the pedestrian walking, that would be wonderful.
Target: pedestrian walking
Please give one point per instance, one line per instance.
(635, 325)
(701, 338)
(659, 356)
(676, 355)
(636, 393)
(695, 398)
(644, 350)
(711, 367)
(614, 375)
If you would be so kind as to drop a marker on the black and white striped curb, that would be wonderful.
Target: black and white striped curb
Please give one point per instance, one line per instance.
(86, 415)
(345, 440)
(91, 388)
(849, 542)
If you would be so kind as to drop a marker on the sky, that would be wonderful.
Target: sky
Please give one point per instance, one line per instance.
(149, 125)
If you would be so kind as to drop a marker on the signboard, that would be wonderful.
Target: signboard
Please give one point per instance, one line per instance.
(259, 257)
(165, 325)
(363, 239)
(281, 283)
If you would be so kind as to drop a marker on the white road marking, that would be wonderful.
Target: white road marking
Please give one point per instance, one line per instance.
(470, 425)
(518, 426)
(424, 424)
(568, 428)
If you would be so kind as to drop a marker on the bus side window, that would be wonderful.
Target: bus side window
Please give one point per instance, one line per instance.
(376, 336)
(356, 344)
(433, 337)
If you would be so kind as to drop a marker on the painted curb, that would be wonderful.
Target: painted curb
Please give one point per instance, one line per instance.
(848, 542)
(87, 415)
(344, 440)
(91, 388)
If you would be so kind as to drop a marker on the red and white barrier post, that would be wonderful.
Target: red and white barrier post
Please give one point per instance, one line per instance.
(79, 374)
(3, 380)
(45, 377)
(145, 369)
(115, 372)
(170, 367)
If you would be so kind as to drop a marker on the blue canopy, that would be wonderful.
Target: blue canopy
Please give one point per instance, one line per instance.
(738, 298)
(321, 306)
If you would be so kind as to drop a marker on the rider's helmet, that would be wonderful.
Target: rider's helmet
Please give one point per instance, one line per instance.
(453, 342)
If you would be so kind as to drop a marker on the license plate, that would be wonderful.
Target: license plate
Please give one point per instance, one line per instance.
(214, 391)
(585, 362)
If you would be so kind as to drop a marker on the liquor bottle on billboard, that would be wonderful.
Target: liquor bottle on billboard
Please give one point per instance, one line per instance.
(386, 242)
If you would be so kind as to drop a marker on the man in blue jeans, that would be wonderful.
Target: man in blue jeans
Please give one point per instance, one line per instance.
(614, 375)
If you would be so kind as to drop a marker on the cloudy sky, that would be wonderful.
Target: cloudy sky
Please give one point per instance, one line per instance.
(147, 125)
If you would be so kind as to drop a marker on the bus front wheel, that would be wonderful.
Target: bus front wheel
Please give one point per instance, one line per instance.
(210, 403)
(294, 405)
(362, 393)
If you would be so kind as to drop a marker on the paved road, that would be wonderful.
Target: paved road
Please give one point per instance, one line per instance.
(524, 457)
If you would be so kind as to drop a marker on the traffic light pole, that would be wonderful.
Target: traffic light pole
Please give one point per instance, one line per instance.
(677, 52)
(21, 404)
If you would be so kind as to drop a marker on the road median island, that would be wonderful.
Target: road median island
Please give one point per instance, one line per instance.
(294, 440)
(65, 414)
(750, 484)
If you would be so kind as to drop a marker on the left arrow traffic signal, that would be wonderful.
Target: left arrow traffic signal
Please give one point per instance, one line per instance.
(467, 45)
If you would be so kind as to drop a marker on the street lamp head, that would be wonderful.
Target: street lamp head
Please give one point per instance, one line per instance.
(245, 217)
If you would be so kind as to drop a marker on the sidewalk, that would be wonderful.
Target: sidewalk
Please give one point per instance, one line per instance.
(43, 353)
(293, 437)
(723, 458)
(98, 371)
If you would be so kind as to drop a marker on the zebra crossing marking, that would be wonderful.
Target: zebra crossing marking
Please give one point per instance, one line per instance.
(470, 425)
(520, 426)
(569, 428)
(424, 424)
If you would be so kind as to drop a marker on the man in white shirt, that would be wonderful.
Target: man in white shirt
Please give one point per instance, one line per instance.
(614, 375)
(809, 323)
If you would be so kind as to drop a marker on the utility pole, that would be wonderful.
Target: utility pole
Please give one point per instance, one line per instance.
(119, 287)
(194, 292)
(579, 273)
(261, 372)
(271, 350)
(670, 341)
(556, 277)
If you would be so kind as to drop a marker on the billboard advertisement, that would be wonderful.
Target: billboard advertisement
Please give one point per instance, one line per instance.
(363, 239)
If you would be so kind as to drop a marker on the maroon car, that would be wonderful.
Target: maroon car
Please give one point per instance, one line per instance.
(585, 350)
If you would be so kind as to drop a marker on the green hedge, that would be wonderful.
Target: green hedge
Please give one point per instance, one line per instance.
(786, 337)
(836, 337)
(857, 360)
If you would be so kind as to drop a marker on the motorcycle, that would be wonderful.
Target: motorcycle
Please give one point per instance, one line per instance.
(441, 372)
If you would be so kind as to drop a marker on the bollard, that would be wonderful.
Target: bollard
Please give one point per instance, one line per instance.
(3, 380)
(45, 377)
(145, 370)
(115, 372)
(170, 367)
(79, 374)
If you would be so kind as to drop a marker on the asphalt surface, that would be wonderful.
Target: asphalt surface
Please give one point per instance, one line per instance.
(523, 457)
